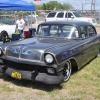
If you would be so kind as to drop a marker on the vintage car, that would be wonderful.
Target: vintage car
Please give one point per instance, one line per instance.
(58, 49)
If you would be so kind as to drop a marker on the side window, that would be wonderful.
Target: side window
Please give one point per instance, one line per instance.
(70, 31)
(69, 15)
(54, 30)
(52, 14)
(43, 30)
(90, 31)
(83, 32)
(60, 15)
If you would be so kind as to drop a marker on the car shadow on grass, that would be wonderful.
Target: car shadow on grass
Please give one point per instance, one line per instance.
(30, 84)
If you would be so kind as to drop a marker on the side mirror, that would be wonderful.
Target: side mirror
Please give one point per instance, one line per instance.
(72, 16)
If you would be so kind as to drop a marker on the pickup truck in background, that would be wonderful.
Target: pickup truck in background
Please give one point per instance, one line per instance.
(68, 15)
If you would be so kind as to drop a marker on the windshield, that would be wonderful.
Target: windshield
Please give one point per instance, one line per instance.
(77, 14)
(65, 31)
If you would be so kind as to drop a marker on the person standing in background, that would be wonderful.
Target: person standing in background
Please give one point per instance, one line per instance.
(20, 24)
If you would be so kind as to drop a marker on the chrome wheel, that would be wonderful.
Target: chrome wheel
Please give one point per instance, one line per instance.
(67, 71)
(4, 36)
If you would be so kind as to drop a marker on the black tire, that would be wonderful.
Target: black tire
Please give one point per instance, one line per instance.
(67, 71)
(4, 35)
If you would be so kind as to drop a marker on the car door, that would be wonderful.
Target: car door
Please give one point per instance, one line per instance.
(60, 16)
(69, 16)
(10, 29)
(51, 16)
(92, 36)
(87, 44)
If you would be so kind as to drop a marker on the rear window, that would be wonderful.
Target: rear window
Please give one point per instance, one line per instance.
(51, 14)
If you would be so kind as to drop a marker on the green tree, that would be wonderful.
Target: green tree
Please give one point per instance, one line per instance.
(53, 4)
(44, 6)
(67, 6)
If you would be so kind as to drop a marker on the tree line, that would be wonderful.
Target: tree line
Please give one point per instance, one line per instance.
(53, 5)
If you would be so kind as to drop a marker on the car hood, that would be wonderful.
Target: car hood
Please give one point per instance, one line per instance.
(84, 17)
(34, 48)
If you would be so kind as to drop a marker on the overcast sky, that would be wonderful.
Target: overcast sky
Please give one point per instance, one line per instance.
(77, 4)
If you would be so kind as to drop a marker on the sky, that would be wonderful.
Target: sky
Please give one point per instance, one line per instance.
(77, 4)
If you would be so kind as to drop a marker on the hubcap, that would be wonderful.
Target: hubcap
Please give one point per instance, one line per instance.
(67, 71)
(4, 36)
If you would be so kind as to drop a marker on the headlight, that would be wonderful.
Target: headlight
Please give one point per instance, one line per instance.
(1, 52)
(49, 58)
(50, 70)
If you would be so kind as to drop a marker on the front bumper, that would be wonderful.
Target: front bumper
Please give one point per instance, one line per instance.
(34, 75)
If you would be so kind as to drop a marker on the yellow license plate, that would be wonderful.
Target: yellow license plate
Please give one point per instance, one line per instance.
(17, 75)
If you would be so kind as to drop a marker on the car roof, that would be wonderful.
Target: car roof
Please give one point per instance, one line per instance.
(62, 11)
(69, 22)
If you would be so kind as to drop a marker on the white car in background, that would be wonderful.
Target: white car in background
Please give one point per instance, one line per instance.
(6, 30)
(68, 15)
(7, 26)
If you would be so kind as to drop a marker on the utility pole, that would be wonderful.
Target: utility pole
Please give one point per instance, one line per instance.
(94, 7)
(91, 5)
(82, 6)
(94, 4)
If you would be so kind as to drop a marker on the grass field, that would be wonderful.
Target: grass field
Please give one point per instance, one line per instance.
(83, 85)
